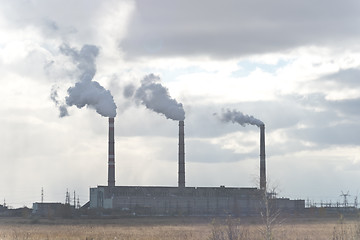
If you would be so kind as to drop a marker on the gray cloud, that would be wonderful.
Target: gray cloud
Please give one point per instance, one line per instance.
(49, 17)
(237, 28)
(347, 107)
(336, 123)
(344, 77)
(333, 110)
(340, 134)
(202, 151)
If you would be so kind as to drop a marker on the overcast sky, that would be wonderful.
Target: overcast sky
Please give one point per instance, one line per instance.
(295, 65)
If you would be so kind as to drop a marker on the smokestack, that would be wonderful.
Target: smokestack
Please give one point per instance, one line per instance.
(181, 173)
(262, 158)
(111, 154)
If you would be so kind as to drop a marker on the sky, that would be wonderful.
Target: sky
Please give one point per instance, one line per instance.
(294, 65)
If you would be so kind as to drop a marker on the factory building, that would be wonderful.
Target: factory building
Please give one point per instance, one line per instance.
(177, 201)
(3, 209)
(48, 209)
(182, 200)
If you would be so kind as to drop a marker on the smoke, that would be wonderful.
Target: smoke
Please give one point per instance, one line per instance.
(240, 118)
(62, 107)
(87, 92)
(85, 60)
(156, 97)
(129, 91)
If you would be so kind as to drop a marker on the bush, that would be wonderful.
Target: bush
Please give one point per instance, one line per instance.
(230, 230)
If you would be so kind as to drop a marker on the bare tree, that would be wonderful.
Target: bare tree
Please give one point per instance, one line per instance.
(269, 213)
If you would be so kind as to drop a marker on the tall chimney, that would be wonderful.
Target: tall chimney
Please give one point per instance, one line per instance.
(262, 158)
(111, 155)
(181, 173)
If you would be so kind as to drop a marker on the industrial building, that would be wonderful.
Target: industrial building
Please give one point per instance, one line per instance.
(48, 209)
(177, 201)
(182, 200)
(3, 209)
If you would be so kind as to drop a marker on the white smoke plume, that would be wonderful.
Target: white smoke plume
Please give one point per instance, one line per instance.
(87, 92)
(235, 116)
(62, 107)
(156, 97)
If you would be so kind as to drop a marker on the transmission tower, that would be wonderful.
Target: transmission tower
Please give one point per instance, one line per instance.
(356, 202)
(42, 195)
(78, 203)
(67, 197)
(345, 195)
(74, 200)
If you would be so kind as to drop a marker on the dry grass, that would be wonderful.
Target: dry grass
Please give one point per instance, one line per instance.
(149, 228)
(173, 228)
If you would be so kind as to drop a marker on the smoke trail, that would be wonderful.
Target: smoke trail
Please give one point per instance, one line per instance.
(156, 97)
(62, 107)
(240, 118)
(87, 92)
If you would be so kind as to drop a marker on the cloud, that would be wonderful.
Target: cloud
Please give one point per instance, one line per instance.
(344, 77)
(237, 28)
(318, 104)
(348, 108)
(206, 151)
(339, 134)
(48, 17)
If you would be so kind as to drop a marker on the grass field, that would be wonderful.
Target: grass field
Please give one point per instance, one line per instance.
(151, 228)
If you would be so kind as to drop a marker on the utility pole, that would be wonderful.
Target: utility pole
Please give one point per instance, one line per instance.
(74, 200)
(42, 195)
